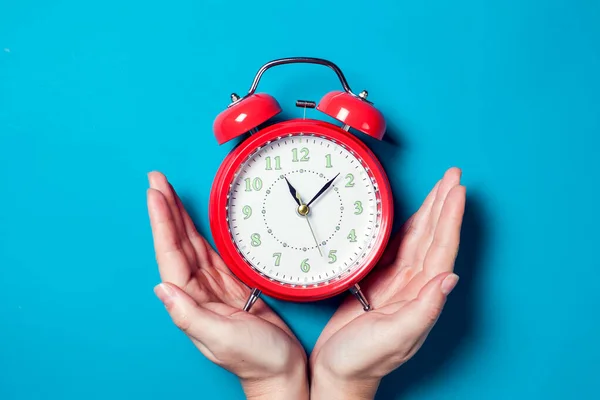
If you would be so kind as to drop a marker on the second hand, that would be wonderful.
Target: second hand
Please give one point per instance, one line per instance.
(303, 210)
(314, 237)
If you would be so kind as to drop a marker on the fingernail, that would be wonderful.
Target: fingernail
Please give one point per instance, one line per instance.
(164, 293)
(449, 283)
(148, 176)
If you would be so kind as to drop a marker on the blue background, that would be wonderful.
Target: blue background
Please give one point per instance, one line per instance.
(93, 95)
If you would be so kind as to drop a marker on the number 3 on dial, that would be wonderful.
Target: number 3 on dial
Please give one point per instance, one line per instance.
(358, 209)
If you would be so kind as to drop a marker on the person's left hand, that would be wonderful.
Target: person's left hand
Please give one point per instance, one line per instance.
(205, 300)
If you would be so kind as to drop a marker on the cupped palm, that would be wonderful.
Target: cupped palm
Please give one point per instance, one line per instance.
(209, 299)
(407, 290)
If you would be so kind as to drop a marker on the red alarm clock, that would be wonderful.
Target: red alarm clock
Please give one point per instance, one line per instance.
(301, 210)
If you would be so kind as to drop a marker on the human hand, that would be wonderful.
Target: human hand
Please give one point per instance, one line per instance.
(205, 301)
(407, 290)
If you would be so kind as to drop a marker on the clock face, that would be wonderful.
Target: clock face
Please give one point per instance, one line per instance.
(285, 229)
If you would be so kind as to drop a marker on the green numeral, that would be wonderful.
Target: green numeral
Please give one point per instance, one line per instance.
(352, 236)
(358, 207)
(247, 211)
(255, 240)
(332, 256)
(328, 161)
(256, 184)
(277, 258)
(277, 163)
(350, 179)
(304, 157)
(305, 266)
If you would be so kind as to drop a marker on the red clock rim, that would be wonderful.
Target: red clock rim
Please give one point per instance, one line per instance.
(218, 212)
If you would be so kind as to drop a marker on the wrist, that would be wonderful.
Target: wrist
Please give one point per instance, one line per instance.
(326, 385)
(292, 385)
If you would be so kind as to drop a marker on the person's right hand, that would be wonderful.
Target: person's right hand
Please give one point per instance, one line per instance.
(205, 300)
(407, 291)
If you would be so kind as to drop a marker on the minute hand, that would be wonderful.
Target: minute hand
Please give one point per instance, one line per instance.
(323, 189)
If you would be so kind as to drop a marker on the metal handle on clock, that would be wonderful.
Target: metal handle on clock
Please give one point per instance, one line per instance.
(297, 60)
(300, 60)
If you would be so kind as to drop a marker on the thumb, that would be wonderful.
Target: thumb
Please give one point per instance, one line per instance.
(196, 321)
(421, 314)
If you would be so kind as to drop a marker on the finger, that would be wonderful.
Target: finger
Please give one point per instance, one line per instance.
(391, 252)
(444, 247)
(420, 315)
(442, 252)
(191, 232)
(387, 282)
(410, 231)
(199, 323)
(417, 229)
(451, 178)
(205, 254)
(421, 217)
(188, 224)
(159, 182)
(173, 265)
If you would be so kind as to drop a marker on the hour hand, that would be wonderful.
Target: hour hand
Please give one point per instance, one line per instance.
(293, 192)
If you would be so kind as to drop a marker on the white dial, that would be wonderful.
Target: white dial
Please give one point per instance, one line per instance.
(294, 239)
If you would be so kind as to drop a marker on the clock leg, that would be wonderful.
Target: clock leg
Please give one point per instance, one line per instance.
(355, 290)
(252, 299)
